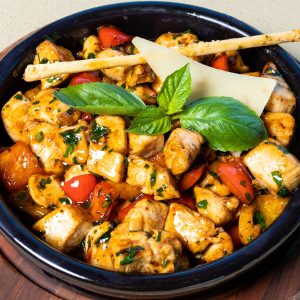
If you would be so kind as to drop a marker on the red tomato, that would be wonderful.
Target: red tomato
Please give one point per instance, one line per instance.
(79, 187)
(84, 77)
(86, 117)
(234, 234)
(124, 211)
(103, 199)
(112, 37)
(221, 62)
(187, 200)
(191, 177)
(235, 176)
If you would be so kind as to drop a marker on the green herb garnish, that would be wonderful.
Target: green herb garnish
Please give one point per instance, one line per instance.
(259, 219)
(158, 238)
(243, 183)
(160, 190)
(71, 140)
(202, 204)
(132, 251)
(164, 263)
(64, 200)
(39, 136)
(105, 237)
(91, 55)
(43, 182)
(18, 96)
(98, 131)
(153, 177)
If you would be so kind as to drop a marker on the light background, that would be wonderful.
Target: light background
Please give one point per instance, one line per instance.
(19, 17)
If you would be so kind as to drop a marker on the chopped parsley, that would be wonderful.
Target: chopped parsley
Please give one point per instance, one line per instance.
(71, 140)
(39, 136)
(248, 196)
(64, 200)
(259, 219)
(129, 258)
(91, 55)
(277, 178)
(164, 263)
(160, 190)
(104, 148)
(43, 182)
(250, 238)
(105, 237)
(158, 238)
(52, 79)
(44, 61)
(146, 166)
(18, 97)
(98, 131)
(35, 102)
(108, 201)
(202, 204)
(153, 178)
(243, 183)
(283, 192)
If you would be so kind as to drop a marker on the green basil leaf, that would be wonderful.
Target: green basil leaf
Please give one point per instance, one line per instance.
(101, 98)
(227, 124)
(151, 121)
(175, 90)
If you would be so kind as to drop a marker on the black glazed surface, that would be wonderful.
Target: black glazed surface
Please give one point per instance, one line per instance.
(147, 19)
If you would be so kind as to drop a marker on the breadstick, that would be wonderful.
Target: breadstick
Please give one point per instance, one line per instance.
(40, 71)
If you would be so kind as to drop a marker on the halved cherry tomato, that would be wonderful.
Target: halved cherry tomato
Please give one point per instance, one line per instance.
(84, 77)
(86, 117)
(235, 176)
(187, 200)
(124, 211)
(103, 199)
(79, 188)
(191, 177)
(111, 37)
(221, 62)
(234, 234)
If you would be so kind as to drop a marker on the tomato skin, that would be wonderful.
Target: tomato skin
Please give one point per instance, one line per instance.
(87, 117)
(221, 62)
(102, 201)
(79, 188)
(187, 200)
(124, 211)
(191, 177)
(234, 175)
(84, 77)
(111, 37)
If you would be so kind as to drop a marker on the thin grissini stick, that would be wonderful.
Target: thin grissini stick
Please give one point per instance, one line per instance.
(40, 71)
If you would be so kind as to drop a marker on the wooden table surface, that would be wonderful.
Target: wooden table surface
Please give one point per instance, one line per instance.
(281, 280)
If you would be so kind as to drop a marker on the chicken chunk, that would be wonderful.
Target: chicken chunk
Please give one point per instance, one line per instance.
(145, 93)
(214, 207)
(282, 99)
(47, 108)
(151, 179)
(43, 143)
(274, 167)
(76, 170)
(181, 149)
(139, 74)
(31, 94)
(49, 52)
(192, 229)
(46, 191)
(139, 252)
(72, 142)
(146, 215)
(17, 164)
(145, 145)
(65, 227)
(116, 73)
(124, 190)
(222, 245)
(172, 39)
(16, 119)
(97, 252)
(91, 47)
(280, 126)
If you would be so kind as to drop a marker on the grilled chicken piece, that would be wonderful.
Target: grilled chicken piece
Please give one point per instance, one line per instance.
(146, 215)
(76, 170)
(280, 126)
(73, 144)
(271, 207)
(139, 252)
(124, 190)
(214, 207)
(172, 39)
(96, 248)
(222, 245)
(116, 73)
(282, 99)
(247, 230)
(31, 94)
(16, 119)
(43, 142)
(274, 167)
(181, 149)
(65, 227)
(145, 93)
(145, 145)
(91, 47)
(139, 74)
(45, 190)
(49, 52)
(17, 164)
(193, 229)
(151, 179)
(47, 108)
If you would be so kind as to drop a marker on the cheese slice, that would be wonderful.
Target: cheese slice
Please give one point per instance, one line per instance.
(206, 81)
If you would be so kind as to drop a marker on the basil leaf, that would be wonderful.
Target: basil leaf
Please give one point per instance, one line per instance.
(227, 124)
(175, 90)
(101, 98)
(151, 121)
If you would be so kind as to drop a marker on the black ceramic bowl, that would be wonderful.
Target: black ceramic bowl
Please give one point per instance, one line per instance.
(148, 20)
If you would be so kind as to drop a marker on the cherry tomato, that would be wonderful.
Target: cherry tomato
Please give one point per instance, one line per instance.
(221, 62)
(124, 211)
(111, 37)
(79, 188)
(187, 200)
(191, 177)
(234, 175)
(234, 234)
(84, 77)
(103, 200)
(86, 117)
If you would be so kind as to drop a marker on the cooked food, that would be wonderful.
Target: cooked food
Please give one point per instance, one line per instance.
(130, 167)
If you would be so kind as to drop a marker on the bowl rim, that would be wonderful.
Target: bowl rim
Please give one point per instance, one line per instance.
(56, 262)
